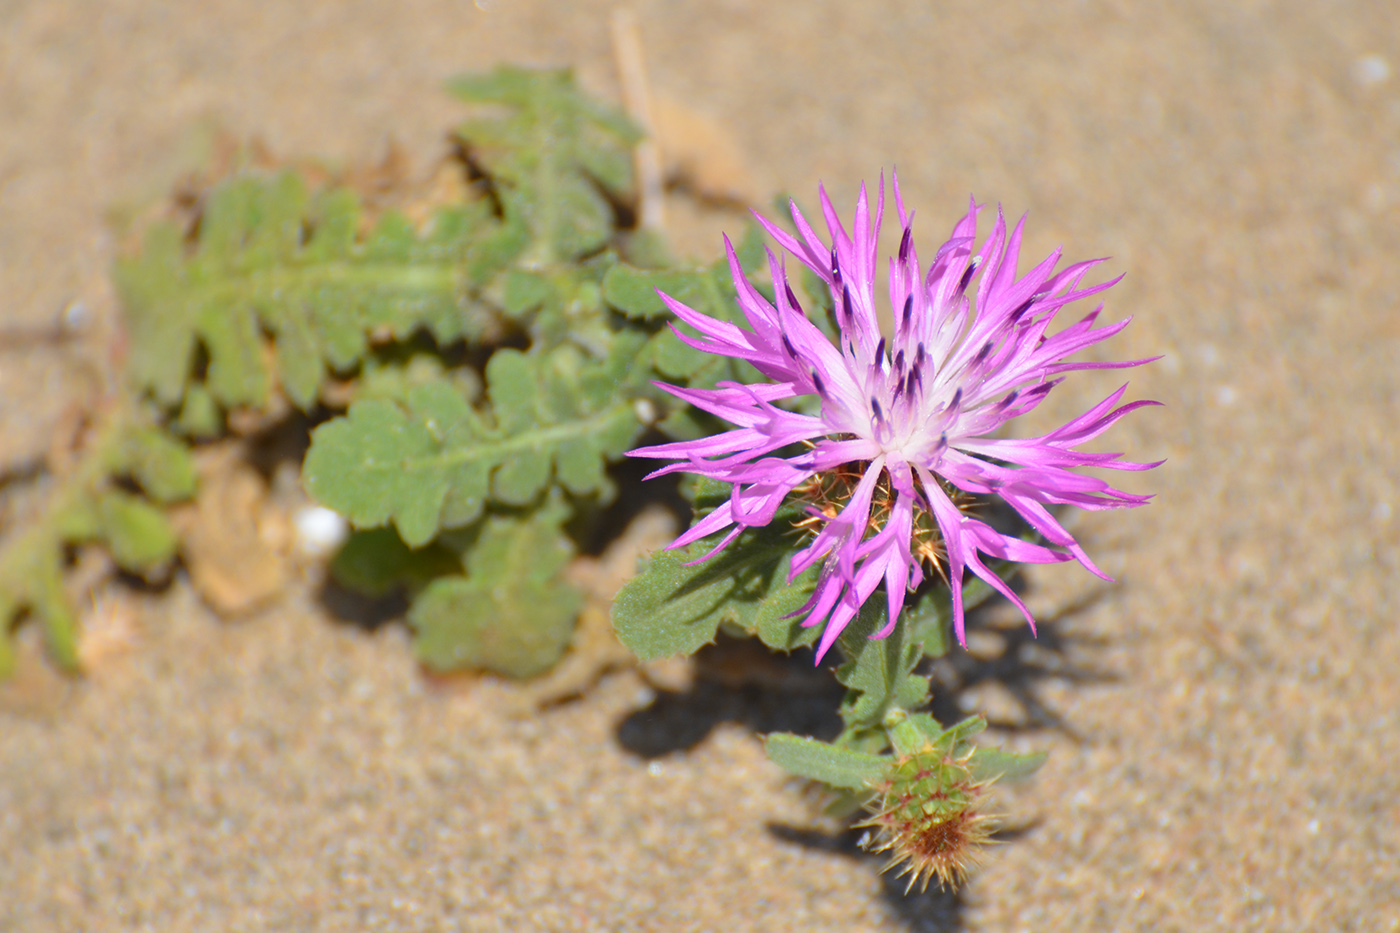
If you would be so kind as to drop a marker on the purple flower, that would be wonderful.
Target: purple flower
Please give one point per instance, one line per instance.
(906, 431)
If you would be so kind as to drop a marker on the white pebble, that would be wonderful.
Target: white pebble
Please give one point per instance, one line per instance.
(319, 530)
(645, 410)
(1369, 70)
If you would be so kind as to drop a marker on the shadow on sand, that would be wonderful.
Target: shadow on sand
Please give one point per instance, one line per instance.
(740, 681)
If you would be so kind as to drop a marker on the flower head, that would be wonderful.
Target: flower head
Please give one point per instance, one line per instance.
(907, 427)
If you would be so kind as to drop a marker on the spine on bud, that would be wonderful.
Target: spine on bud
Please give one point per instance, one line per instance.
(927, 816)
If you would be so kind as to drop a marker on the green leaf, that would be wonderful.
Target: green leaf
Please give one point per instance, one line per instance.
(911, 733)
(647, 248)
(376, 561)
(359, 466)
(996, 764)
(670, 608)
(83, 506)
(553, 154)
(513, 613)
(930, 619)
(7, 648)
(31, 576)
(492, 254)
(710, 291)
(160, 321)
(634, 291)
(819, 761)
(879, 673)
(137, 533)
(236, 375)
(271, 258)
(50, 603)
(750, 251)
(918, 731)
(200, 417)
(393, 376)
(434, 461)
(525, 291)
(678, 361)
(160, 463)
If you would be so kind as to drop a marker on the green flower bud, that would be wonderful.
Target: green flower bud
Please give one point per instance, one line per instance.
(926, 813)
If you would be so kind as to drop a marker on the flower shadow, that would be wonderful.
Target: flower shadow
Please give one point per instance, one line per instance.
(736, 680)
(740, 681)
(932, 910)
(1007, 661)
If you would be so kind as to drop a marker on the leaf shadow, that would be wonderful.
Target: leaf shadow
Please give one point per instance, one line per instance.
(1018, 662)
(736, 680)
(934, 909)
(358, 610)
(739, 681)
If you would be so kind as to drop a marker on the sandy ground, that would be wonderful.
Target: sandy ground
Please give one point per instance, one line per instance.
(1232, 766)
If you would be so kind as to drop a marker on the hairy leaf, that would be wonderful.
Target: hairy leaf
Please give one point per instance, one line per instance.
(31, 577)
(990, 763)
(670, 608)
(930, 619)
(555, 155)
(930, 622)
(137, 533)
(513, 613)
(200, 417)
(918, 731)
(634, 291)
(376, 561)
(819, 761)
(269, 256)
(160, 463)
(911, 733)
(879, 673)
(674, 605)
(707, 289)
(89, 504)
(434, 461)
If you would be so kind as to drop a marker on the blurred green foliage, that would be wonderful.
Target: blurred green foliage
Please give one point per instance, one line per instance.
(114, 495)
(496, 355)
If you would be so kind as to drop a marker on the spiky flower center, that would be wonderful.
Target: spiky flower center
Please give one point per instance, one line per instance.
(828, 492)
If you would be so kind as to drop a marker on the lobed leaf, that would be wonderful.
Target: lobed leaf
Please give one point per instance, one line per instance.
(160, 463)
(31, 577)
(137, 533)
(675, 605)
(911, 733)
(917, 731)
(634, 291)
(555, 155)
(513, 613)
(375, 562)
(878, 673)
(930, 618)
(434, 461)
(268, 256)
